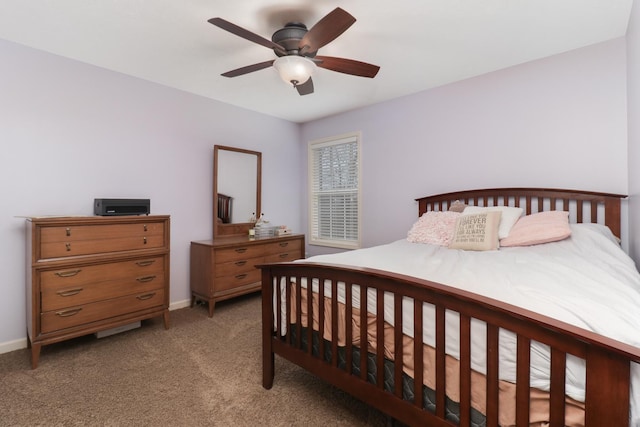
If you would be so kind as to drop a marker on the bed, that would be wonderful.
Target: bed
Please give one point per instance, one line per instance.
(418, 338)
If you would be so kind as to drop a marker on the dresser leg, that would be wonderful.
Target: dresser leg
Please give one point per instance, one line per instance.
(193, 300)
(212, 305)
(165, 318)
(35, 355)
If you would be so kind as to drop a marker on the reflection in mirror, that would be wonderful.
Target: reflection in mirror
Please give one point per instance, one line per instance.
(236, 189)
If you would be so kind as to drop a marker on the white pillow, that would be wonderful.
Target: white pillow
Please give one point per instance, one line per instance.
(508, 218)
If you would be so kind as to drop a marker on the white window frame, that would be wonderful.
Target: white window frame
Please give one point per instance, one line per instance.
(313, 235)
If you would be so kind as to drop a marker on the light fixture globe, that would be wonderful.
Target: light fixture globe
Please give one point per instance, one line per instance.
(294, 69)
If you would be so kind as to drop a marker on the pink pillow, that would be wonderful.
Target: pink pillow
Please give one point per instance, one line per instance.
(542, 227)
(435, 228)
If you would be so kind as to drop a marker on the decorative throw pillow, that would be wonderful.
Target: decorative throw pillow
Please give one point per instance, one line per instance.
(457, 206)
(542, 227)
(435, 228)
(476, 232)
(509, 216)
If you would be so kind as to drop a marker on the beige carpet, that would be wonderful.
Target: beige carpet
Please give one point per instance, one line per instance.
(201, 372)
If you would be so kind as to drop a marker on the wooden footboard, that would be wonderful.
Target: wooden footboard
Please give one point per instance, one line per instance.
(607, 361)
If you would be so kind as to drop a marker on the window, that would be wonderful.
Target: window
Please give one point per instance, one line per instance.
(334, 192)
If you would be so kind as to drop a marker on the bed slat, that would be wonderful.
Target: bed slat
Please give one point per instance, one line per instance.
(321, 316)
(348, 327)
(492, 375)
(579, 209)
(380, 338)
(363, 331)
(298, 342)
(465, 370)
(523, 362)
(558, 379)
(334, 323)
(309, 321)
(418, 351)
(440, 361)
(398, 350)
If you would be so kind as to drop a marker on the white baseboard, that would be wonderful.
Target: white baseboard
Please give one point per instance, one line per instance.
(6, 347)
(179, 304)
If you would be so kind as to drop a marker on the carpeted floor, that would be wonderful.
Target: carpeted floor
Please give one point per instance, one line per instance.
(201, 372)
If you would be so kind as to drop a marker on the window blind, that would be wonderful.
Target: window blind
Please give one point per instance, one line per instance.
(335, 192)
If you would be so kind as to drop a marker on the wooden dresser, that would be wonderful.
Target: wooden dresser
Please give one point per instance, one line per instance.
(225, 267)
(89, 274)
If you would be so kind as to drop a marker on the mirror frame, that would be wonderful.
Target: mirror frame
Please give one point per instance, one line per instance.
(238, 228)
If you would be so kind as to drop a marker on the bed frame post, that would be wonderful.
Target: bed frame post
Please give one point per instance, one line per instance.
(607, 389)
(268, 359)
(613, 209)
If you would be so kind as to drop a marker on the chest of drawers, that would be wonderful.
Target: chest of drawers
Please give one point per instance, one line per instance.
(88, 274)
(225, 267)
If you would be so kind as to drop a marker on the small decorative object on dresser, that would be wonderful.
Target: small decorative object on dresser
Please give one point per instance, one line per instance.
(224, 268)
(90, 274)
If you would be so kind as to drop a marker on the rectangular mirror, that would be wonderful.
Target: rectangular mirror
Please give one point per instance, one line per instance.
(236, 189)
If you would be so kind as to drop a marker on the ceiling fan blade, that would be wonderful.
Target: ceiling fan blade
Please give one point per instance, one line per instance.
(248, 69)
(347, 66)
(326, 30)
(246, 34)
(305, 88)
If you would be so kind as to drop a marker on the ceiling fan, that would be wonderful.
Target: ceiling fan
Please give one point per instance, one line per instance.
(296, 49)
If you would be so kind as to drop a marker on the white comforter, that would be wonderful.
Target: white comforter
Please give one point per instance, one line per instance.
(585, 280)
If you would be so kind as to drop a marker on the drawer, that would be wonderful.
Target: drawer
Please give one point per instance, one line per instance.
(83, 314)
(235, 281)
(83, 284)
(290, 246)
(234, 268)
(283, 257)
(238, 253)
(73, 240)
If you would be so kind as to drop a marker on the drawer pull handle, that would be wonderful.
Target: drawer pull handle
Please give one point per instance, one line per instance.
(145, 227)
(145, 263)
(284, 244)
(284, 255)
(146, 296)
(68, 232)
(241, 250)
(69, 292)
(241, 263)
(68, 313)
(68, 246)
(241, 276)
(69, 273)
(145, 279)
(145, 240)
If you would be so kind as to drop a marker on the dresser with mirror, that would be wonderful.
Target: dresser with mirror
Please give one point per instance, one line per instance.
(224, 267)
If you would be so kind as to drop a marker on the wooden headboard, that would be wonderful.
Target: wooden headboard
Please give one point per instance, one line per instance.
(583, 206)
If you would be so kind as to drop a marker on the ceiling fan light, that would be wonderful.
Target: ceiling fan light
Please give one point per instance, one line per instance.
(294, 69)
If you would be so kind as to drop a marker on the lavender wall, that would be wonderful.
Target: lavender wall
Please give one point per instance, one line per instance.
(557, 122)
(71, 132)
(633, 95)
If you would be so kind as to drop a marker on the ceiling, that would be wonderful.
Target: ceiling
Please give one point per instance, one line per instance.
(418, 44)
